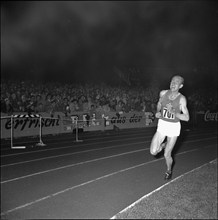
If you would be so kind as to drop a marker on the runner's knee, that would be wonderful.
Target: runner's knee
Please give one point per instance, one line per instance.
(167, 155)
(153, 151)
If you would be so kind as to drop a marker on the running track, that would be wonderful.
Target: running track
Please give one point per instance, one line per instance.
(96, 178)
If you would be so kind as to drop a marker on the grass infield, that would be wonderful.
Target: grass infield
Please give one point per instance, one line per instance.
(192, 196)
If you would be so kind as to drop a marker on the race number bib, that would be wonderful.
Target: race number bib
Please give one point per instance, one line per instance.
(167, 114)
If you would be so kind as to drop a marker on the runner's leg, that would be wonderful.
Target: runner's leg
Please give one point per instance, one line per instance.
(168, 151)
(156, 142)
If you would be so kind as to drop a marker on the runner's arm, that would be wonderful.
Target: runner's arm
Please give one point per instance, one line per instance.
(185, 114)
(158, 113)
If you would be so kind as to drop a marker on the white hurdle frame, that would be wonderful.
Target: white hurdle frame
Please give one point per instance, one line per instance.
(12, 132)
(40, 144)
(39, 117)
(77, 139)
(12, 135)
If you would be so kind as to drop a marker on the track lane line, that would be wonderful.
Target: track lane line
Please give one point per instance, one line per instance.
(126, 133)
(58, 148)
(67, 154)
(88, 182)
(72, 165)
(95, 149)
(89, 137)
(80, 163)
(100, 142)
(159, 188)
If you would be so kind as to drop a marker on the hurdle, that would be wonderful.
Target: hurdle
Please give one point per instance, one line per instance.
(40, 144)
(76, 123)
(12, 133)
(12, 130)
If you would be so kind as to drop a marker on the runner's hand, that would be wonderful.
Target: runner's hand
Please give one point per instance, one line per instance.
(158, 115)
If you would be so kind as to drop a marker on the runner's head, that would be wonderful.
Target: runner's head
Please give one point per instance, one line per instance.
(176, 83)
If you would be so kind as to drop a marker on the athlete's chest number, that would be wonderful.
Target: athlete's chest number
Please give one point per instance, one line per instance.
(167, 114)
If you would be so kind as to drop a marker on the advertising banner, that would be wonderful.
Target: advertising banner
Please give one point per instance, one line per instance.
(206, 117)
(29, 125)
(129, 120)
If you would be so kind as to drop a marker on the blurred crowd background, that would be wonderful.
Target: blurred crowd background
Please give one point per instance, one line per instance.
(34, 97)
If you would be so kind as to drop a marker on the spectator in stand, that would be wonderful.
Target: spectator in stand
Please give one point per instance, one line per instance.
(23, 104)
(48, 101)
(7, 107)
(73, 106)
(112, 105)
(91, 117)
(80, 104)
(148, 106)
(43, 99)
(89, 102)
(66, 107)
(51, 107)
(85, 104)
(92, 111)
(59, 103)
(106, 107)
(132, 104)
(99, 110)
(14, 102)
(143, 106)
(153, 107)
(3, 103)
(31, 105)
(137, 104)
(119, 107)
(38, 99)
(40, 108)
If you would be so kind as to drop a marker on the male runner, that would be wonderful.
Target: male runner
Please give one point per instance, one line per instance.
(171, 108)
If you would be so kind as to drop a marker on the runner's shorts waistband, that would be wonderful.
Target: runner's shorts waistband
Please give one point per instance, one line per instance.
(170, 129)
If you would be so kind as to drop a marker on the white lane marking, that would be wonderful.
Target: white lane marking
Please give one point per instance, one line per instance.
(97, 137)
(159, 188)
(101, 142)
(90, 136)
(76, 164)
(85, 183)
(95, 149)
(79, 152)
(58, 148)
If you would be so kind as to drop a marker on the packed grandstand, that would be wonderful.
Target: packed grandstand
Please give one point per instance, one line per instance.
(33, 97)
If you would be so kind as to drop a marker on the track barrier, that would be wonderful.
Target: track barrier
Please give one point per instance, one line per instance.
(29, 125)
(40, 144)
(39, 125)
(38, 117)
(77, 138)
(12, 128)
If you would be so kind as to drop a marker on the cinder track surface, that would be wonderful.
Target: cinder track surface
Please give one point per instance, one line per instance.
(96, 178)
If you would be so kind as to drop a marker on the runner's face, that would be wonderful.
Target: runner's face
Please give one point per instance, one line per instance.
(175, 84)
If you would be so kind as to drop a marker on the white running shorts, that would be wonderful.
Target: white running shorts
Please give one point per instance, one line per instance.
(169, 129)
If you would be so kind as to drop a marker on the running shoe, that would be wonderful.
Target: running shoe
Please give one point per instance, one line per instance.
(168, 175)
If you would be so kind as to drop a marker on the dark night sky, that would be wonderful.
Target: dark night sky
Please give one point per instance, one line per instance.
(70, 39)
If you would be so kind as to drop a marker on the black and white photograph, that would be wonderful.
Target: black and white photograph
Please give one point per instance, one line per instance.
(109, 109)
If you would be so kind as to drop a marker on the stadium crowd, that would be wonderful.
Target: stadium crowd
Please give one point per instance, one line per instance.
(33, 97)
